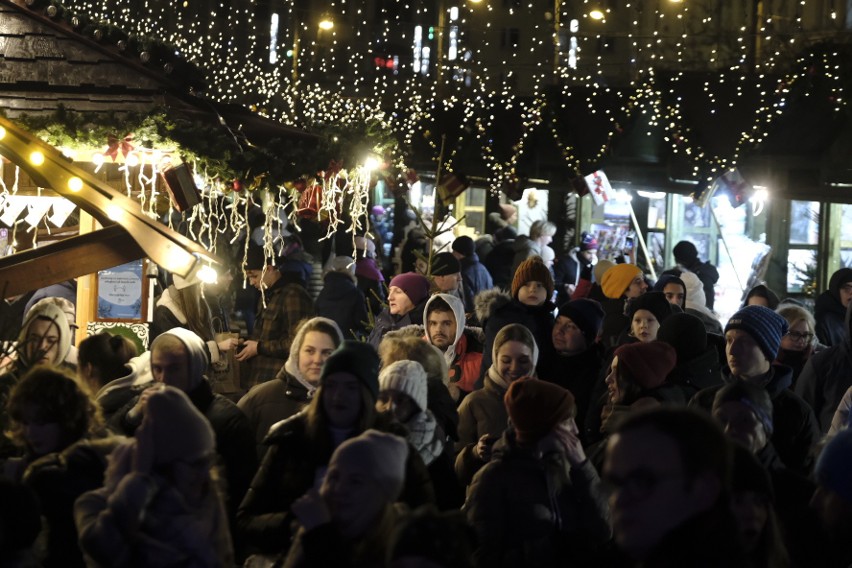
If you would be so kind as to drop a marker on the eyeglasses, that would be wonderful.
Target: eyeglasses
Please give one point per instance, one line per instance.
(798, 336)
(639, 483)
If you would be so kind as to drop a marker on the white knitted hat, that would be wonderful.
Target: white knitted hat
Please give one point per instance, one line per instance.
(407, 377)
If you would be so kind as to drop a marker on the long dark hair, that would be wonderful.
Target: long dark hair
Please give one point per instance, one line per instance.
(108, 354)
(318, 427)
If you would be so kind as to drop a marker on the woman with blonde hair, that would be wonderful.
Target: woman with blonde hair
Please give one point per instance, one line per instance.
(798, 344)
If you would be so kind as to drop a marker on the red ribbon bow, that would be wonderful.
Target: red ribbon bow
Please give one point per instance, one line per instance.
(334, 168)
(114, 143)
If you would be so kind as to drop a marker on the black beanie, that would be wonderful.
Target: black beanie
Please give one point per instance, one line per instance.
(686, 333)
(356, 358)
(464, 245)
(587, 314)
(685, 253)
(654, 302)
(444, 264)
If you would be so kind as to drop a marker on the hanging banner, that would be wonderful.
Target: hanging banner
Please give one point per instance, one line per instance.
(599, 187)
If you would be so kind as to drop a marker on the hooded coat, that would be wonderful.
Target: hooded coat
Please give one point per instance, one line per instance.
(826, 377)
(287, 394)
(464, 356)
(696, 304)
(235, 443)
(482, 412)
(23, 363)
(796, 429)
(829, 312)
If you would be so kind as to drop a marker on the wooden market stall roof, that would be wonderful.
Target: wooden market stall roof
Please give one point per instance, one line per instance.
(47, 65)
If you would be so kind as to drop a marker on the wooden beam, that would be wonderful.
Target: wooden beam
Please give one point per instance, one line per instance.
(70, 258)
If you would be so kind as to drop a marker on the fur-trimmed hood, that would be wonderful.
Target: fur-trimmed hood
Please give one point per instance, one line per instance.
(489, 301)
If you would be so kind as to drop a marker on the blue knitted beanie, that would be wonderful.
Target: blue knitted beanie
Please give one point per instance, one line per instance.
(764, 325)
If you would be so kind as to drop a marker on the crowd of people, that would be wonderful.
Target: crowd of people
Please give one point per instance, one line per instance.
(517, 410)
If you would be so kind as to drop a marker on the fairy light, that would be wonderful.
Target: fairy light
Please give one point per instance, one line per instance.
(505, 72)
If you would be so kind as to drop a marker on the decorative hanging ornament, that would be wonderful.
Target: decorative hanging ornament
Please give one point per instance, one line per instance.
(114, 144)
(237, 185)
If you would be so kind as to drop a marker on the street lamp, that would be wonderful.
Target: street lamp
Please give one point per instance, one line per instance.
(325, 24)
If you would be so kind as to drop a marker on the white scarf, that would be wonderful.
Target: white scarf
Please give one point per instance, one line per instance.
(421, 435)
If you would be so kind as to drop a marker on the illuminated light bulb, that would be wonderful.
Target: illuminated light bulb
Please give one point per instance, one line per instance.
(98, 159)
(113, 212)
(326, 24)
(36, 158)
(207, 274)
(596, 15)
(132, 160)
(75, 184)
(2, 133)
(371, 163)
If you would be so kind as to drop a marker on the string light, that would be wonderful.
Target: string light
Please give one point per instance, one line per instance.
(505, 50)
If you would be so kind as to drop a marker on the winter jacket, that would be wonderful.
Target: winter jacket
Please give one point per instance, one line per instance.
(481, 412)
(577, 373)
(234, 437)
(145, 522)
(386, 322)
(293, 464)
(271, 402)
(475, 279)
(826, 377)
(342, 301)
(58, 479)
(529, 507)
(698, 373)
(830, 314)
(796, 429)
(496, 309)
(707, 273)
(499, 264)
(275, 327)
(464, 356)
(324, 546)
(615, 321)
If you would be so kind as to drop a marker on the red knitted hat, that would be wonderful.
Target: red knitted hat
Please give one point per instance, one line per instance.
(536, 407)
(648, 364)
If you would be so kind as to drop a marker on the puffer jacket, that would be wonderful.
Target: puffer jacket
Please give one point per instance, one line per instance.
(271, 402)
(496, 308)
(531, 508)
(475, 278)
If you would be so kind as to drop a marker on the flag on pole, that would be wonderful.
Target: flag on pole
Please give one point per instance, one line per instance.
(599, 187)
(451, 186)
(732, 183)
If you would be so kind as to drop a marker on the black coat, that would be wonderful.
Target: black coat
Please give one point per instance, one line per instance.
(577, 373)
(830, 318)
(234, 437)
(824, 380)
(271, 402)
(796, 430)
(530, 508)
(698, 373)
(499, 264)
(289, 470)
(342, 301)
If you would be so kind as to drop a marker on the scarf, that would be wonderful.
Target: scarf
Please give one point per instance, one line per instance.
(421, 435)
